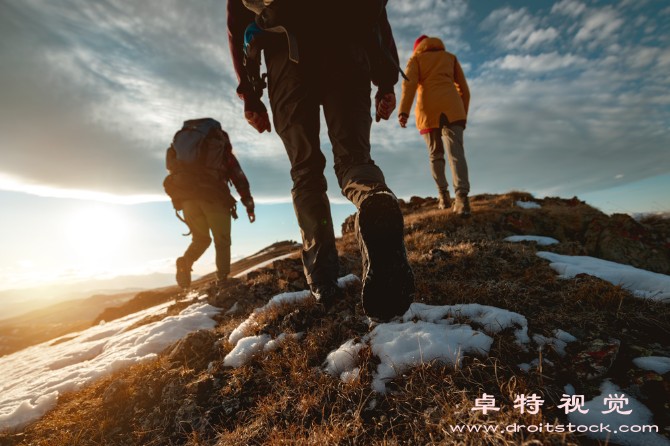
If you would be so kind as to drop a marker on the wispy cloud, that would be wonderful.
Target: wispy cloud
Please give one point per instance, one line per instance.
(93, 92)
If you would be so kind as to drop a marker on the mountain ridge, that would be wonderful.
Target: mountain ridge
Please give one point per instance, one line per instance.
(583, 332)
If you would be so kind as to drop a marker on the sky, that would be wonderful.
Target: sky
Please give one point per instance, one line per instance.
(568, 98)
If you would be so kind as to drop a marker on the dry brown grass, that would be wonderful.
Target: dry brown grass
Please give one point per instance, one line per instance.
(284, 397)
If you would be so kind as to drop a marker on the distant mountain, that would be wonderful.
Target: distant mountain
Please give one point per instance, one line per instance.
(31, 320)
(17, 302)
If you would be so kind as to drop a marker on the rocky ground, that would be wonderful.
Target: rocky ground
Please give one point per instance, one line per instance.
(189, 397)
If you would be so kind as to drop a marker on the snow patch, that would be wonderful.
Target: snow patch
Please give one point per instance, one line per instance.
(424, 334)
(542, 241)
(658, 364)
(643, 284)
(293, 299)
(403, 345)
(640, 416)
(281, 340)
(33, 378)
(528, 204)
(245, 349)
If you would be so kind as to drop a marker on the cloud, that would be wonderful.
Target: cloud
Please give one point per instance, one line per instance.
(570, 8)
(94, 91)
(437, 18)
(517, 29)
(599, 25)
(541, 63)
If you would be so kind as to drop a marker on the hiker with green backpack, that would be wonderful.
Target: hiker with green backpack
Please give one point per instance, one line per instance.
(201, 163)
(325, 54)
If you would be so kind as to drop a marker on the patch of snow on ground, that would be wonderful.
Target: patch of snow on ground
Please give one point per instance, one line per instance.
(240, 355)
(32, 378)
(543, 241)
(644, 284)
(295, 298)
(245, 349)
(343, 359)
(533, 364)
(491, 319)
(528, 204)
(402, 345)
(658, 364)
(434, 336)
(640, 416)
(281, 339)
(559, 342)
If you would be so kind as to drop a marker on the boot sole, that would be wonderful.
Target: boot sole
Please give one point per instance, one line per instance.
(388, 283)
(183, 273)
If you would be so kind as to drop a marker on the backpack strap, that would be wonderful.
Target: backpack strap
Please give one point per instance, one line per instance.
(190, 230)
(386, 51)
(293, 53)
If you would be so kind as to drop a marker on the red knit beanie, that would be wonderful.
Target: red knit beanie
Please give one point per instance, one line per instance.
(419, 40)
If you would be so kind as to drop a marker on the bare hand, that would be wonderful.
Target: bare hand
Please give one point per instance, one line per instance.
(252, 217)
(384, 107)
(259, 121)
(402, 120)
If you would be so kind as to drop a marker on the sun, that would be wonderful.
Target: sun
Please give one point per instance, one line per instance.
(96, 234)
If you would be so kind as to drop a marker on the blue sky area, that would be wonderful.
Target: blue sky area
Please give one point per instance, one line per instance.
(568, 98)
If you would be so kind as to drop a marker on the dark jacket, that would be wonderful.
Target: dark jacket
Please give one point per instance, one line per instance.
(384, 73)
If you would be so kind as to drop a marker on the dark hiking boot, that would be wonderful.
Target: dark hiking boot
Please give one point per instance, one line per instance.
(327, 294)
(445, 199)
(461, 206)
(388, 280)
(183, 272)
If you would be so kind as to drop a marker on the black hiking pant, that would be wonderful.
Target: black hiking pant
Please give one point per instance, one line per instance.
(336, 77)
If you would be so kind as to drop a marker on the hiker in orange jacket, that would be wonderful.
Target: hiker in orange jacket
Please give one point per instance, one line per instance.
(441, 114)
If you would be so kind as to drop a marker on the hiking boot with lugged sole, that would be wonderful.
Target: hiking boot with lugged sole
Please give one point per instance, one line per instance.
(461, 206)
(183, 272)
(388, 280)
(328, 294)
(445, 199)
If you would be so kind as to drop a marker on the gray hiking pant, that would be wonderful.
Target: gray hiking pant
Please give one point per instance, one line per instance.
(338, 79)
(203, 217)
(452, 135)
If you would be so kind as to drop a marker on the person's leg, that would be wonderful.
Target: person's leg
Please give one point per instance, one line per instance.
(200, 240)
(436, 154)
(438, 165)
(218, 220)
(294, 98)
(453, 140)
(379, 223)
(346, 106)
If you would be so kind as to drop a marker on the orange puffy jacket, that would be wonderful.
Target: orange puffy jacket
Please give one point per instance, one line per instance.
(441, 83)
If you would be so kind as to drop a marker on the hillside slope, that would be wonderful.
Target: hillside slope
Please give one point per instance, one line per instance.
(277, 376)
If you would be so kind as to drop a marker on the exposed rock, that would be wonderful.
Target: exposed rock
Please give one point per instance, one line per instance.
(622, 239)
(349, 223)
(595, 358)
(147, 392)
(193, 347)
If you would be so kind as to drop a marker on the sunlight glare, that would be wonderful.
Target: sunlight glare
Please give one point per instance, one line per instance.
(96, 234)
